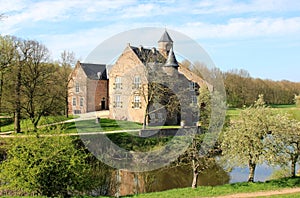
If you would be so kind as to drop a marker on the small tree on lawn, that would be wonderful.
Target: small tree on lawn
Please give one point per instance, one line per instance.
(286, 140)
(243, 143)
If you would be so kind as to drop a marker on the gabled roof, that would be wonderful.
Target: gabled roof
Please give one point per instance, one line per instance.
(94, 71)
(171, 61)
(148, 55)
(165, 37)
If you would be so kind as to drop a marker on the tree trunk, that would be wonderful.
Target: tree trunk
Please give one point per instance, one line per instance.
(293, 165)
(67, 104)
(145, 118)
(252, 167)
(1, 88)
(195, 178)
(195, 174)
(18, 102)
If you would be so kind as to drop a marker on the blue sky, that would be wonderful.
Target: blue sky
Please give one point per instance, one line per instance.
(260, 36)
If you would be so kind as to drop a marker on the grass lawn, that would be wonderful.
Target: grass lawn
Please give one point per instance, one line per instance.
(244, 187)
(7, 124)
(292, 110)
(106, 125)
(227, 189)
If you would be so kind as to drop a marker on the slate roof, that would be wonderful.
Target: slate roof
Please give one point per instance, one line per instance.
(92, 71)
(171, 61)
(165, 37)
(148, 55)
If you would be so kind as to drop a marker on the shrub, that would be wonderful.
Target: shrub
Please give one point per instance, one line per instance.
(51, 166)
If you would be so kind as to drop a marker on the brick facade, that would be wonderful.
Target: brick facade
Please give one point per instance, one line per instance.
(86, 93)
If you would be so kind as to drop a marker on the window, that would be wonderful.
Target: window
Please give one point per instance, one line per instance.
(160, 117)
(77, 112)
(74, 101)
(137, 102)
(194, 99)
(81, 101)
(77, 87)
(118, 83)
(152, 117)
(192, 86)
(136, 82)
(118, 102)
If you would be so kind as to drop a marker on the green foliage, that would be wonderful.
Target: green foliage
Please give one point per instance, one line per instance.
(243, 142)
(135, 143)
(241, 89)
(285, 138)
(280, 173)
(204, 103)
(51, 166)
(297, 100)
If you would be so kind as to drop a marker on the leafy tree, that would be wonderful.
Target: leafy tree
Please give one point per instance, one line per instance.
(286, 140)
(7, 56)
(244, 141)
(51, 166)
(39, 84)
(204, 104)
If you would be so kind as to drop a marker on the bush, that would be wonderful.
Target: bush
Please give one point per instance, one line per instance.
(51, 166)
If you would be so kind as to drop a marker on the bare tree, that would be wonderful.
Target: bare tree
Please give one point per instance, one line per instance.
(67, 60)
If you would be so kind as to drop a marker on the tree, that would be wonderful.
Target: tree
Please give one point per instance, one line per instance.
(50, 166)
(39, 85)
(7, 56)
(67, 60)
(204, 104)
(244, 141)
(286, 139)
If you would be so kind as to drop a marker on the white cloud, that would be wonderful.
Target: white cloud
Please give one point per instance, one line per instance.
(254, 6)
(244, 28)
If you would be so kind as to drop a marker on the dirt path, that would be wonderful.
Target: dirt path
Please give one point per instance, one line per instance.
(260, 194)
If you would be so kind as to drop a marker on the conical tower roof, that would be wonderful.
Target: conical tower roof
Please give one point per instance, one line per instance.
(171, 61)
(165, 37)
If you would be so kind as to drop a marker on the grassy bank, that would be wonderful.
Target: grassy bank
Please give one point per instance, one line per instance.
(292, 110)
(208, 191)
(227, 189)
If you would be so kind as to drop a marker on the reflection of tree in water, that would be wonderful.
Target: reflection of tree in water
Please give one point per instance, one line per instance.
(181, 176)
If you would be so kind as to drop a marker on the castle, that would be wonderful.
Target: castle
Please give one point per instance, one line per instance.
(132, 88)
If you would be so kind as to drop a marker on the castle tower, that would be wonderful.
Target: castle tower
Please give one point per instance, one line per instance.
(165, 43)
(171, 65)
